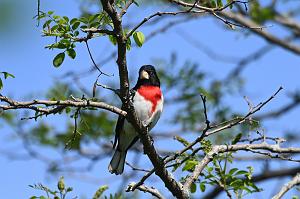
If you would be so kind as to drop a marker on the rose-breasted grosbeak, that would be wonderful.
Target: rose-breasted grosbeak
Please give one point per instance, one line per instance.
(147, 100)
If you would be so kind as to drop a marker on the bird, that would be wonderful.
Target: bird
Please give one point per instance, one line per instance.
(147, 99)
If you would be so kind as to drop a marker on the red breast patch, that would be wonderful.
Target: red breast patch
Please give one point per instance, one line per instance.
(152, 94)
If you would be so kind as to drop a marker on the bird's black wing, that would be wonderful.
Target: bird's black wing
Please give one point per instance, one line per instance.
(119, 128)
(121, 120)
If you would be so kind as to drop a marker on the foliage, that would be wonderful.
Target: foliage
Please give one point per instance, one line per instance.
(185, 81)
(67, 32)
(5, 75)
(62, 191)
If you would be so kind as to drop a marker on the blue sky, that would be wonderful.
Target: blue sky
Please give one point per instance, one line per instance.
(22, 53)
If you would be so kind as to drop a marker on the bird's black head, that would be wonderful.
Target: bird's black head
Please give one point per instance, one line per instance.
(147, 76)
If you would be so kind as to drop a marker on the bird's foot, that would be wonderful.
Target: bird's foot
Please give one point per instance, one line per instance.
(147, 125)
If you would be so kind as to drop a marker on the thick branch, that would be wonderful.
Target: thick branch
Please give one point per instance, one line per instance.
(158, 163)
(121, 42)
(149, 149)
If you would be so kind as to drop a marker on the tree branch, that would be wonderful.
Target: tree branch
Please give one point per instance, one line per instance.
(243, 22)
(264, 34)
(266, 175)
(154, 192)
(275, 148)
(155, 15)
(174, 186)
(295, 181)
(32, 105)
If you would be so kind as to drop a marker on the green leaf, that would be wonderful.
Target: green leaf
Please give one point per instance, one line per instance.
(69, 189)
(73, 21)
(47, 23)
(229, 1)
(76, 33)
(193, 188)
(66, 18)
(56, 17)
(58, 59)
(83, 26)
(92, 18)
(232, 171)
(95, 24)
(72, 53)
(100, 191)
(241, 172)
(237, 138)
(237, 183)
(139, 38)
(189, 165)
(61, 184)
(213, 4)
(210, 169)
(220, 3)
(55, 27)
(84, 20)
(6, 75)
(128, 44)
(112, 39)
(76, 25)
(68, 110)
(1, 84)
(181, 140)
(202, 187)
(136, 3)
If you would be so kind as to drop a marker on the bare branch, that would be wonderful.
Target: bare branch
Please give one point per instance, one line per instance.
(161, 14)
(95, 30)
(243, 22)
(217, 12)
(154, 192)
(295, 181)
(282, 110)
(243, 119)
(267, 36)
(127, 5)
(91, 56)
(68, 145)
(134, 168)
(32, 105)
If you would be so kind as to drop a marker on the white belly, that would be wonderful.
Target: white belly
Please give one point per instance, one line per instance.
(143, 109)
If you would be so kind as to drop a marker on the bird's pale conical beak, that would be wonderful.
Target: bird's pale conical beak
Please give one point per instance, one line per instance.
(144, 75)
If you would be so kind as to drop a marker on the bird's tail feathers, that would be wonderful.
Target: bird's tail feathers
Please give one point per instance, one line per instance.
(117, 162)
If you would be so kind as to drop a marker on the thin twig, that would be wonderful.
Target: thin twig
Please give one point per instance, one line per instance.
(90, 54)
(154, 192)
(69, 143)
